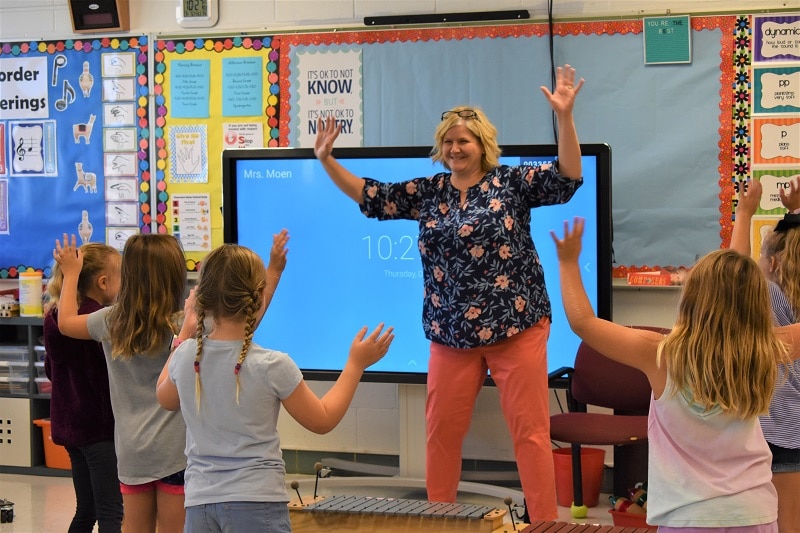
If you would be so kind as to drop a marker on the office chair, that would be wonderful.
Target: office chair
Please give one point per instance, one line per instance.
(599, 381)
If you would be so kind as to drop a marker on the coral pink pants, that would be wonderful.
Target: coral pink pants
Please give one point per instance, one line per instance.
(518, 366)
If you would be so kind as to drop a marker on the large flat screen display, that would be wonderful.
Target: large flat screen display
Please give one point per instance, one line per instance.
(345, 271)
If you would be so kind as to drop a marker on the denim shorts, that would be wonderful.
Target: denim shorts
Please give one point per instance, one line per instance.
(238, 516)
(785, 459)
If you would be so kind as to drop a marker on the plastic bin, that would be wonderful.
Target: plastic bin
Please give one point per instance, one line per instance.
(592, 463)
(14, 369)
(15, 386)
(40, 352)
(43, 385)
(55, 456)
(623, 519)
(14, 353)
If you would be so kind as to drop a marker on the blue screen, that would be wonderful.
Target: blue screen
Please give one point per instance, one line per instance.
(345, 270)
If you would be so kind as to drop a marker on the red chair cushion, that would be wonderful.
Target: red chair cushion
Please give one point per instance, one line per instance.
(597, 428)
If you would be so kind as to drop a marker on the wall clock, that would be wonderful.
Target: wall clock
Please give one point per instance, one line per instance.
(197, 13)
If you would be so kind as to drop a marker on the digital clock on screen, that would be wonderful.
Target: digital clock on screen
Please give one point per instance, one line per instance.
(197, 13)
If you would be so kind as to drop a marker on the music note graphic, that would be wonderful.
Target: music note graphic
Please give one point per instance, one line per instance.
(58, 62)
(21, 152)
(67, 97)
(25, 148)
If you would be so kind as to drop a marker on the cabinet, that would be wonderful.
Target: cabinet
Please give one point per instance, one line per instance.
(21, 377)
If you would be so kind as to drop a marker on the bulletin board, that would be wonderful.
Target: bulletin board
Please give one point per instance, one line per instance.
(211, 94)
(765, 139)
(75, 146)
(683, 136)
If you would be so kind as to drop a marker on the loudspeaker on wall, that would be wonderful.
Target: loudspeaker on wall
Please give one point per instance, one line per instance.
(91, 16)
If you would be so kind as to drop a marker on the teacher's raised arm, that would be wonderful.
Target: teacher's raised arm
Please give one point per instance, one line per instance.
(350, 184)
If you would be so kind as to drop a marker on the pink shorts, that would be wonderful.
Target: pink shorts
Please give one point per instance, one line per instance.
(172, 484)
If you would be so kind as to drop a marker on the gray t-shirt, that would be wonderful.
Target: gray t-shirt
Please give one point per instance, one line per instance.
(149, 440)
(233, 450)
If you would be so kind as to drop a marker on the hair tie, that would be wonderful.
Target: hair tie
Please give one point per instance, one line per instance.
(237, 368)
(790, 220)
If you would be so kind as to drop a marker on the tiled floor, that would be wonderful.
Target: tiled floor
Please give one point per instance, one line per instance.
(45, 504)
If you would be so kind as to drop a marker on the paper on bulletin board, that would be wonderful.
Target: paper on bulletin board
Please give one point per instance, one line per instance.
(667, 40)
(242, 135)
(191, 221)
(761, 226)
(776, 38)
(188, 154)
(773, 181)
(3, 207)
(328, 85)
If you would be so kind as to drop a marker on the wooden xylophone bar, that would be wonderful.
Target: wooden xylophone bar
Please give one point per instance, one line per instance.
(392, 515)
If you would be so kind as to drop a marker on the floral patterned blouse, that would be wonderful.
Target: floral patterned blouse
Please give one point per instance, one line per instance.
(483, 280)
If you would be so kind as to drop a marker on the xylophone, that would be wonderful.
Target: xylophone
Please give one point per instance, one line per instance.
(391, 515)
(398, 515)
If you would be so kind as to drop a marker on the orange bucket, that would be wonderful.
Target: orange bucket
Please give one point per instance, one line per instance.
(55, 456)
(592, 462)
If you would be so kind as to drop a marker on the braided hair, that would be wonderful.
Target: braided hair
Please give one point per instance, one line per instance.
(231, 287)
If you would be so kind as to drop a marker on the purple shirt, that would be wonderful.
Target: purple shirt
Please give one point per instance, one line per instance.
(483, 281)
(80, 403)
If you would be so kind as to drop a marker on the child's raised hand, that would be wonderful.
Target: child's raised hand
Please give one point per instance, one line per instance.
(366, 350)
(749, 197)
(189, 326)
(791, 198)
(277, 254)
(569, 248)
(68, 256)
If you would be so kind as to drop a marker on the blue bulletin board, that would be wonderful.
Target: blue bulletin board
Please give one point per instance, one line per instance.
(75, 146)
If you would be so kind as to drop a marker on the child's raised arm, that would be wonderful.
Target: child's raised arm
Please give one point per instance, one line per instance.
(277, 262)
(632, 347)
(749, 198)
(70, 259)
(322, 415)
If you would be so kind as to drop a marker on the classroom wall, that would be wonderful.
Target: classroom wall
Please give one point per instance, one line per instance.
(46, 19)
(376, 423)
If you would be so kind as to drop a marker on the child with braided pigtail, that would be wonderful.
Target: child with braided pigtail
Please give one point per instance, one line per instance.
(235, 471)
